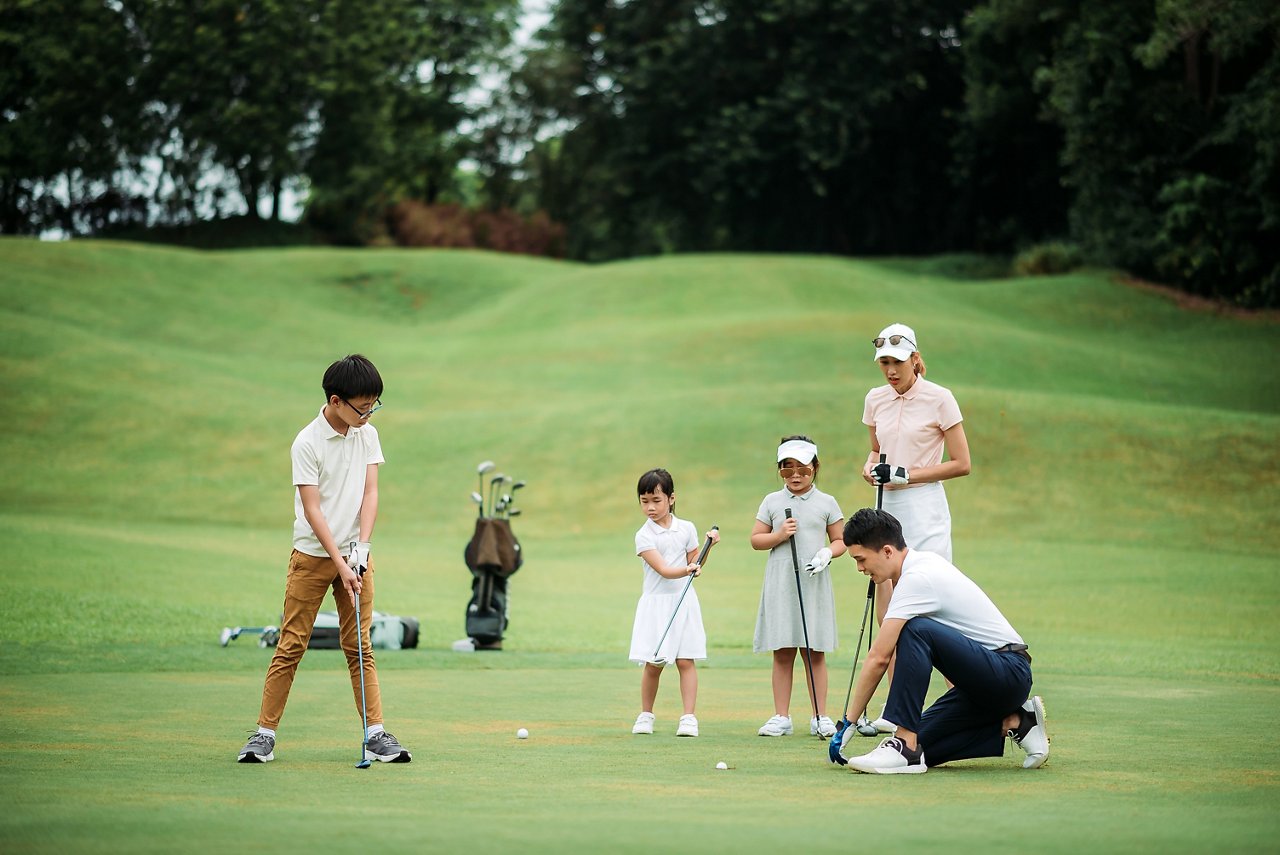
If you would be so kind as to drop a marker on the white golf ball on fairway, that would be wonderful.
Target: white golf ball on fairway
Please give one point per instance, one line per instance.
(522, 734)
(722, 765)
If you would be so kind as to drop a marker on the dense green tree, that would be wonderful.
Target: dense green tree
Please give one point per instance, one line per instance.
(68, 115)
(394, 112)
(231, 84)
(1007, 177)
(771, 124)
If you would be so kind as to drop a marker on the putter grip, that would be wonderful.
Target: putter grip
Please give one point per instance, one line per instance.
(795, 558)
(706, 547)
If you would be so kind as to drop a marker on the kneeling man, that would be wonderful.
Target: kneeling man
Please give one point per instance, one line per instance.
(938, 618)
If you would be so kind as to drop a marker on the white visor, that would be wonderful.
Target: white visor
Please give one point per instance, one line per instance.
(797, 449)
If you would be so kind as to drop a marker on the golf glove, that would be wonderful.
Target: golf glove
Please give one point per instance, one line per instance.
(358, 560)
(883, 474)
(819, 561)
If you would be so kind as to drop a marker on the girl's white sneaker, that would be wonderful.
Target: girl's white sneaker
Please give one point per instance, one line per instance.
(688, 725)
(644, 723)
(779, 725)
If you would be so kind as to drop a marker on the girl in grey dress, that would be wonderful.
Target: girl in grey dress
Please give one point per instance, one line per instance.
(815, 523)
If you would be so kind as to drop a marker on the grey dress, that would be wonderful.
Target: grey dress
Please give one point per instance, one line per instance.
(778, 622)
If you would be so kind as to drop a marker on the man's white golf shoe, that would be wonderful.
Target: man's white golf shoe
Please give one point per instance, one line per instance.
(892, 757)
(1031, 735)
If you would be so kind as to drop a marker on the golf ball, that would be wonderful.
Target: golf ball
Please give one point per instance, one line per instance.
(522, 734)
(722, 765)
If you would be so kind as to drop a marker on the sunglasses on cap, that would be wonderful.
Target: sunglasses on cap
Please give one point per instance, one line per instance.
(894, 340)
(802, 471)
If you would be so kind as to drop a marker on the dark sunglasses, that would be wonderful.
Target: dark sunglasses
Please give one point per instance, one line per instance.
(895, 340)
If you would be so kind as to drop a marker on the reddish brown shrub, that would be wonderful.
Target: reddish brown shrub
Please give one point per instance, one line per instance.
(413, 223)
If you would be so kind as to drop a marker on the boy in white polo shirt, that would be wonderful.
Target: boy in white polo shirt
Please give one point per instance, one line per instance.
(335, 470)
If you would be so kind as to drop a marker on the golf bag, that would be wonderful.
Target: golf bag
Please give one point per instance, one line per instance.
(493, 555)
(386, 632)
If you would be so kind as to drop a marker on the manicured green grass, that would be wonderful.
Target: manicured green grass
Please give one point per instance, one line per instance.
(1122, 512)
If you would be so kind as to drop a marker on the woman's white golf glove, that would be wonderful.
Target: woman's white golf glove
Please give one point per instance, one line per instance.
(883, 473)
(819, 561)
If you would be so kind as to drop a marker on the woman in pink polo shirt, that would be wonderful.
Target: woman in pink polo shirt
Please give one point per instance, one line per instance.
(911, 420)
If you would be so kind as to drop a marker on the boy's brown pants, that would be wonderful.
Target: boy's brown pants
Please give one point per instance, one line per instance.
(309, 579)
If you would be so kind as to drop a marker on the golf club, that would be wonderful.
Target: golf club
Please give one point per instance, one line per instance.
(364, 712)
(360, 653)
(493, 490)
(863, 728)
(482, 470)
(808, 654)
(268, 635)
(659, 660)
(479, 500)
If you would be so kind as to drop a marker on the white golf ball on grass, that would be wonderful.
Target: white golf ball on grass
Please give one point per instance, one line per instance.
(722, 765)
(522, 734)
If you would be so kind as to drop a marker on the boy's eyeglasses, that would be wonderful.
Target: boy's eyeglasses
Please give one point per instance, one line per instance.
(894, 340)
(364, 414)
(790, 471)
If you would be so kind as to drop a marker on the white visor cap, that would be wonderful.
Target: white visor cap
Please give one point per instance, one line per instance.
(797, 449)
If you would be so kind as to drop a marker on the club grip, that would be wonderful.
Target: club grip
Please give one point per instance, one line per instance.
(706, 547)
(795, 558)
(880, 487)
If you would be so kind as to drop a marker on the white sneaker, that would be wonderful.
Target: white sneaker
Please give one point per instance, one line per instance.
(891, 758)
(883, 725)
(644, 723)
(822, 726)
(1031, 735)
(779, 725)
(688, 725)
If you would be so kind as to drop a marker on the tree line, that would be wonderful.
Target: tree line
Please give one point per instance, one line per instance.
(1141, 135)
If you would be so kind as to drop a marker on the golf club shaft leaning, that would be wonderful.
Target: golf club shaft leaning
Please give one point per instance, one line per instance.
(804, 624)
(871, 598)
(364, 710)
(702, 556)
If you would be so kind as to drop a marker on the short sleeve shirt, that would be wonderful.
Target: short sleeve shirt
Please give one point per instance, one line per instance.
(909, 428)
(931, 586)
(337, 465)
(673, 544)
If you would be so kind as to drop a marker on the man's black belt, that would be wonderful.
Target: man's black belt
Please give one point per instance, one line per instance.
(1020, 649)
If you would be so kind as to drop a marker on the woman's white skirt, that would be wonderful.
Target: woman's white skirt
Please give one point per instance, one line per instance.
(686, 640)
(924, 515)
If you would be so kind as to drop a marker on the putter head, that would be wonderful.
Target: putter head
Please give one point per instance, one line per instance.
(363, 764)
(865, 727)
(225, 638)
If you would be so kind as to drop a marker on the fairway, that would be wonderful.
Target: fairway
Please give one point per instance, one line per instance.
(1122, 512)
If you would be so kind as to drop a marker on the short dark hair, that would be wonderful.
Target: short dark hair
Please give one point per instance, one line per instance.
(653, 479)
(873, 529)
(352, 377)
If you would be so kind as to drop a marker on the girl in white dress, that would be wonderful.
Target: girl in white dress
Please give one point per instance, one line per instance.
(815, 524)
(667, 547)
